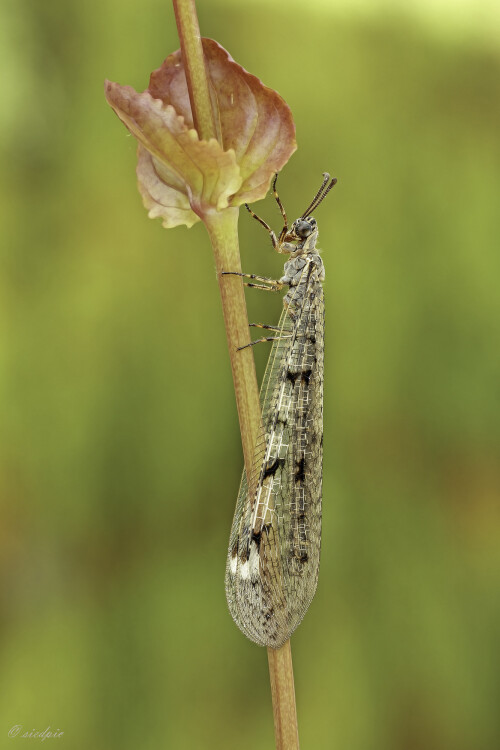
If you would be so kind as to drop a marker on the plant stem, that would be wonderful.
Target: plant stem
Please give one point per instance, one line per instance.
(283, 695)
(222, 227)
(223, 230)
(194, 67)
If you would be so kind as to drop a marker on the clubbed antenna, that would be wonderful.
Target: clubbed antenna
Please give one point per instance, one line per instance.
(320, 195)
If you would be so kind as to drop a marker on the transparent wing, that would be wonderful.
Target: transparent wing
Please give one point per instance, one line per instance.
(273, 556)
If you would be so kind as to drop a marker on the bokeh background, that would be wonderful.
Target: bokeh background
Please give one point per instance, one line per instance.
(120, 452)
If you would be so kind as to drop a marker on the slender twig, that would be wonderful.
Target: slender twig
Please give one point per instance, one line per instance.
(223, 230)
(283, 695)
(194, 67)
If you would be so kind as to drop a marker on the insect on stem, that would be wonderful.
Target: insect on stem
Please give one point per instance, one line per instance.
(274, 546)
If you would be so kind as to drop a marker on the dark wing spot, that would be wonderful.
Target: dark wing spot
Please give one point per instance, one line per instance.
(257, 537)
(300, 470)
(271, 469)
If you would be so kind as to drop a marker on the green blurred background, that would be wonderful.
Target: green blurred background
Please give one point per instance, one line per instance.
(120, 451)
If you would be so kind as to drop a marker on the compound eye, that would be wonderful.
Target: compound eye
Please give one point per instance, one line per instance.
(303, 228)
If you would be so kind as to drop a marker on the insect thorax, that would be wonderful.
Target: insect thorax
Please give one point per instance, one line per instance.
(299, 273)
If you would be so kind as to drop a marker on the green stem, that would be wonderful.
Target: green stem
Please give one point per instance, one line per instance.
(286, 732)
(222, 227)
(194, 66)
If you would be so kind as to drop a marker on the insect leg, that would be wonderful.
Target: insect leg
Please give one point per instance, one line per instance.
(264, 224)
(261, 341)
(261, 286)
(274, 284)
(278, 201)
(284, 231)
(264, 325)
(250, 276)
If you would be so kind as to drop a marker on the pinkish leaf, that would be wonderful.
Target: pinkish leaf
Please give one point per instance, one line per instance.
(198, 170)
(182, 178)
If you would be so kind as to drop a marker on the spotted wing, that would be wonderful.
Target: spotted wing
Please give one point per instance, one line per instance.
(274, 548)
